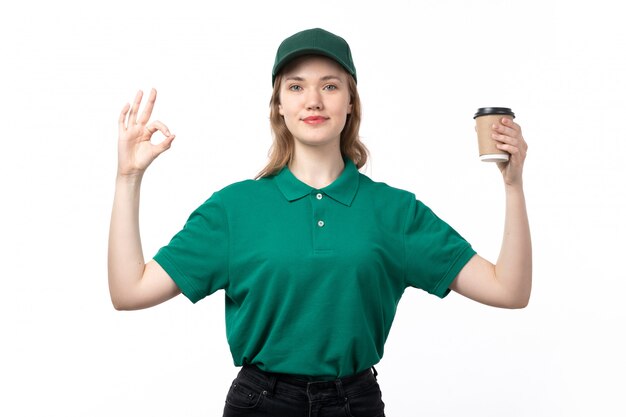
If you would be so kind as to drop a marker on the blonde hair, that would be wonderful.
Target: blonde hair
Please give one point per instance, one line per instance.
(282, 148)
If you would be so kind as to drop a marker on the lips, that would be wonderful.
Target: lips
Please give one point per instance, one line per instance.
(313, 120)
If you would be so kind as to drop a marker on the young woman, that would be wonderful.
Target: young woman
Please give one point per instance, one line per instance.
(313, 256)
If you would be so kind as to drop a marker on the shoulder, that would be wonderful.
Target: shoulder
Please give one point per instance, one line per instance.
(381, 190)
(393, 199)
(245, 186)
(244, 192)
(237, 197)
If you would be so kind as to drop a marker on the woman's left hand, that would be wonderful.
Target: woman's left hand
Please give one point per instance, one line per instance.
(508, 134)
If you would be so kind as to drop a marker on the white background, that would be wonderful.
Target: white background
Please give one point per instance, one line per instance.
(424, 67)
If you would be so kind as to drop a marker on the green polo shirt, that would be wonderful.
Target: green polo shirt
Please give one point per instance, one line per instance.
(312, 277)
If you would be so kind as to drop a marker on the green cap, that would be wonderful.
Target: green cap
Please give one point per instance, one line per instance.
(314, 42)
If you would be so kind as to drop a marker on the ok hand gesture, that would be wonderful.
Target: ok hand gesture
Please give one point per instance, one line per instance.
(135, 151)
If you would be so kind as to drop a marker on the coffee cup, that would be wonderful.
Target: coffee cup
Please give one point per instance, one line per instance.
(486, 117)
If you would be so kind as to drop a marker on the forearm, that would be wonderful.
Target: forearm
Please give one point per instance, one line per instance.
(125, 255)
(514, 266)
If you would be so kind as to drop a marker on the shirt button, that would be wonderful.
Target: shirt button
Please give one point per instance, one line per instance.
(320, 223)
(319, 196)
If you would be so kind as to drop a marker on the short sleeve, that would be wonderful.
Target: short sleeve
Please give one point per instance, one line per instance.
(197, 257)
(435, 253)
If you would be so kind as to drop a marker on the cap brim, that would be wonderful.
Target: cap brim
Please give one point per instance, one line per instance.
(287, 59)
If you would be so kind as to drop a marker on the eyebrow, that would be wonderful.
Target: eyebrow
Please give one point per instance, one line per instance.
(324, 78)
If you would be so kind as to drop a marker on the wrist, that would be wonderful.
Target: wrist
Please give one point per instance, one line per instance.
(133, 179)
(516, 189)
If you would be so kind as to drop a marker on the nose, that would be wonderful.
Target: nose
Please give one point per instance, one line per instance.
(314, 100)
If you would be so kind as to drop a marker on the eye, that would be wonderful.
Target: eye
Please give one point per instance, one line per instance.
(330, 87)
(295, 87)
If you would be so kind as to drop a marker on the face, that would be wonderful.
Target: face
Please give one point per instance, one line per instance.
(315, 101)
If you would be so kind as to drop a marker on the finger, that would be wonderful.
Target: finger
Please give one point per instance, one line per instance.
(122, 119)
(132, 118)
(147, 111)
(157, 125)
(165, 145)
(517, 141)
(504, 130)
(514, 151)
(510, 123)
(511, 140)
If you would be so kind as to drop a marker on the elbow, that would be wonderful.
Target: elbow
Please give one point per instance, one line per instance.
(118, 304)
(116, 300)
(518, 297)
(121, 303)
(122, 297)
(518, 305)
(519, 302)
(119, 307)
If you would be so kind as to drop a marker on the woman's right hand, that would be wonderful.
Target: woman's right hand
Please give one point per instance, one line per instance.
(135, 151)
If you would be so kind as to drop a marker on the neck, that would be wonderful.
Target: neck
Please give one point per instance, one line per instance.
(316, 168)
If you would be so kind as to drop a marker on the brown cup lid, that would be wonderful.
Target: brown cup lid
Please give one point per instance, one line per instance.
(485, 111)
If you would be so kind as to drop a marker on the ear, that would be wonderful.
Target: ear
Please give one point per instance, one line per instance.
(350, 108)
(280, 110)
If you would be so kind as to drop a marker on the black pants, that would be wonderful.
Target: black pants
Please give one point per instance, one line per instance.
(257, 393)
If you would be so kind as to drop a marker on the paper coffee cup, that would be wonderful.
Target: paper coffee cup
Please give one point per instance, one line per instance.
(486, 117)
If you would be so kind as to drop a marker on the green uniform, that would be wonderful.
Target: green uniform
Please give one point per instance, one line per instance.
(312, 277)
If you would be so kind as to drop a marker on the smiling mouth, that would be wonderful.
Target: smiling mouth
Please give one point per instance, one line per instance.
(314, 120)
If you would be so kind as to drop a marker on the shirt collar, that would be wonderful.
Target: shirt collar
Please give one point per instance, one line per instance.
(343, 189)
